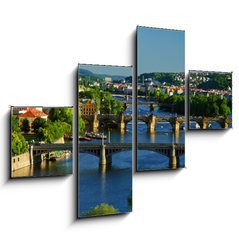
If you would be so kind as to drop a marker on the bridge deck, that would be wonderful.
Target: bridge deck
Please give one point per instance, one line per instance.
(51, 147)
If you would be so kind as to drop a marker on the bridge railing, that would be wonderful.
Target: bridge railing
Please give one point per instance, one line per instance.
(84, 146)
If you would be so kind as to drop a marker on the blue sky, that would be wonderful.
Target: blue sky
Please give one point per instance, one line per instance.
(108, 70)
(160, 50)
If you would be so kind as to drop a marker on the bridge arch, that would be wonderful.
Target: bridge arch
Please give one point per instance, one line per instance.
(165, 152)
(181, 160)
(208, 122)
(214, 125)
(127, 155)
(94, 153)
(163, 126)
(129, 126)
(152, 160)
(112, 152)
(106, 123)
(143, 118)
(84, 161)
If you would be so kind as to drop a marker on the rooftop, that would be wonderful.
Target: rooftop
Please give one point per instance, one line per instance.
(33, 113)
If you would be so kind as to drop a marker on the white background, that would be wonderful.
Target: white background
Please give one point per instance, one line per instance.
(41, 43)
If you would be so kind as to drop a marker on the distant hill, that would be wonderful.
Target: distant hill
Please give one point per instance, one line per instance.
(161, 77)
(84, 72)
(220, 81)
(221, 84)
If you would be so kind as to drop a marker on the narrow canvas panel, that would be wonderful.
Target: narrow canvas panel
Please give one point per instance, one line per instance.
(41, 141)
(160, 99)
(105, 140)
(210, 100)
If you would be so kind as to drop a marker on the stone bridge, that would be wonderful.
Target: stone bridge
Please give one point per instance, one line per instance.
(43, 148)
(107, 120)
(149, 101)
(203, 122)
(120, 121)
(152, 120)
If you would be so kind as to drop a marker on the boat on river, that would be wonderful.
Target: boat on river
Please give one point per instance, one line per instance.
(95, 135)
(57, 155)
(85, 138)
(51, 156)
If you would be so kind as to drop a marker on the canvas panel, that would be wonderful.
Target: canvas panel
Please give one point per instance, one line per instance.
(210, 100)
(160, 98)
(105, 140)
(41, 141)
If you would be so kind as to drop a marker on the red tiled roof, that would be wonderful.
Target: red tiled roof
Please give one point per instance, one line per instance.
(33, 113)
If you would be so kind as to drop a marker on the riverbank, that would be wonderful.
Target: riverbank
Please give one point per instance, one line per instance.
(46, 169)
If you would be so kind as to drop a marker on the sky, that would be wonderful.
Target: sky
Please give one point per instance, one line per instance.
(108, 70)
(160, 50)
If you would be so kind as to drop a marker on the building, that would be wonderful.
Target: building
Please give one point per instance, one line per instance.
(108, 79)
(31, 114)
(21, 110)
(87, 106)
(142, 88)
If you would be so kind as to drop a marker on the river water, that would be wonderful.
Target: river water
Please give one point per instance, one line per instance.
(114, 186)
(150, 160)
(46, 169)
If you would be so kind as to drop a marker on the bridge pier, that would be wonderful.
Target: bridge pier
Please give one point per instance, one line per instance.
(95, 123)
(121, 124)
(225, 124)
(152, 124)
(105, 167)
(173, 159)
(31, 154)
(104, 160)
(175, 125)
(204, 123)
(176, 136)
(176, 128)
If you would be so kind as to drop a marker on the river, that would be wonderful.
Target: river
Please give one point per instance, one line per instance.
(46, 169)
(115, 185)
(150, 160)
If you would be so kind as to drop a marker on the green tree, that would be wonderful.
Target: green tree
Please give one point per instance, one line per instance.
(52, 131)
(81, 126)
(162, 98)
(103, 209)
(15, 124)
(44, 134)
(224, 110)
(215, 109)
(156, 94)
(117, 106)
(106, 103)
(18, 143)
(211, 106)
(61, 114)
(38, 123)
(25, 127)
